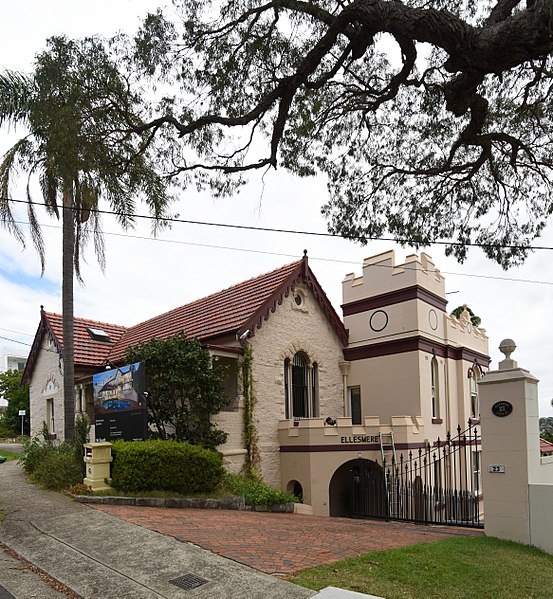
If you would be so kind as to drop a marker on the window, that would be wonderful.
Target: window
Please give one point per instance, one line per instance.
(98, 335)
(315, 390)
(435, 388)
(474, 376)
(287, 388)
(50, 416)
(301, 387)
(476, 471)
(230, 383)
(355, 405)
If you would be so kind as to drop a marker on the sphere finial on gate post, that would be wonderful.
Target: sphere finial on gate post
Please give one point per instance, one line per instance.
(507, 347)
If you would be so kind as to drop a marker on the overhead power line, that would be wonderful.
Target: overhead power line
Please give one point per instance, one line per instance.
(293, 231)
(295, 256)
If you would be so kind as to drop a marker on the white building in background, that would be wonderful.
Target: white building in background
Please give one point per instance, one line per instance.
(12, 358)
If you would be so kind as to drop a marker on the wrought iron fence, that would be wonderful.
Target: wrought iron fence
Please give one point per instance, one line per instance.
(437, 484)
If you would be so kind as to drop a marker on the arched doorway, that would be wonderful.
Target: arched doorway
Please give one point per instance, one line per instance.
(357, 489)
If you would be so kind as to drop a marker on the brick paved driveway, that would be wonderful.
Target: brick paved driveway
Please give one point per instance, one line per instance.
(279, 543)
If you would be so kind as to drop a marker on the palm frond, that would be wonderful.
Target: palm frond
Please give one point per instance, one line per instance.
(36, 233)
(18, 153)
(16, 95)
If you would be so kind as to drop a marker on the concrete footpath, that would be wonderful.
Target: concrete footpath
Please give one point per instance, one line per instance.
(97, 556)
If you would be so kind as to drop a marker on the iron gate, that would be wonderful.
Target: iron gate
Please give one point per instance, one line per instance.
(439, 484)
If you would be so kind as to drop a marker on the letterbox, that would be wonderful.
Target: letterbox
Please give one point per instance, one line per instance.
(97, 457)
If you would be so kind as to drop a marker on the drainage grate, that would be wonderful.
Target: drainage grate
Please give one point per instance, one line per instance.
(5, 594)
(187, 582)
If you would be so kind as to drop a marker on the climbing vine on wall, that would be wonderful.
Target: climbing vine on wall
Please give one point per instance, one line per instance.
(248, 394)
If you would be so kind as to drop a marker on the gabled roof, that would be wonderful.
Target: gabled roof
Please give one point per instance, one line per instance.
(238, 310)
(88, 353)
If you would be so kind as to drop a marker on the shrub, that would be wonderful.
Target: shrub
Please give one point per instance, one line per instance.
(165, 466)
(35, 450)
(58, 469)
(255, 491)
(54, 466)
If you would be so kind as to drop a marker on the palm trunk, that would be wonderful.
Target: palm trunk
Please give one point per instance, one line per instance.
(68, 250)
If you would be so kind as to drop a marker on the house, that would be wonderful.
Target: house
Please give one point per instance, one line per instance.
(394, 376)
(12, 358)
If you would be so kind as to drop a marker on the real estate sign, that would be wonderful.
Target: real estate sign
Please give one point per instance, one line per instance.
(120, 410)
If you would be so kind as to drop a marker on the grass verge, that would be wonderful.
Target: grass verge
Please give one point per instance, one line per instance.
(10, 455)
(459, 568)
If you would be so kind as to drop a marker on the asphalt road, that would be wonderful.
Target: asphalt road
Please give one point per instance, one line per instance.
(14, 447)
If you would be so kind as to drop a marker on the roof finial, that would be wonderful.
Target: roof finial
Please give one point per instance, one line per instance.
(304, 266)
(41, 308)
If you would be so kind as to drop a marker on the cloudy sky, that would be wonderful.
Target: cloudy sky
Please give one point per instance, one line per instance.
(146, 276)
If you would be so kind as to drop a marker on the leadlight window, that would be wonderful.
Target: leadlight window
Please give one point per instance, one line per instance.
(435, 388)
(474, 376)
(355, 405)
(301, 387)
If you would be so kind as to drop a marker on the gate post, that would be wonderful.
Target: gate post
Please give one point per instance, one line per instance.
(509, 421)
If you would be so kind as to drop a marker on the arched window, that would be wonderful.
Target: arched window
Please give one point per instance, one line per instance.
(301, 387)
(435, 388)
(474, 376)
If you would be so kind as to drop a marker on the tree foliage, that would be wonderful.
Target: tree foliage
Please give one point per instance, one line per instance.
(432, 120)
(17, 396)
(185, 388)
(546, 428)
(74, 108)
(475, 320)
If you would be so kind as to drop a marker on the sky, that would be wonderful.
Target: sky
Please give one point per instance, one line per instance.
(145, 276)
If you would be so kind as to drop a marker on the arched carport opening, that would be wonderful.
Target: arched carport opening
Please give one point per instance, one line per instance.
(357, 489)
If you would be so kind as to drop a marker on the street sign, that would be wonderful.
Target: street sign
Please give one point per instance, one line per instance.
(22, 412)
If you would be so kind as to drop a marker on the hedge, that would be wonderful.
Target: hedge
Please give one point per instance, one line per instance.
(158, 465)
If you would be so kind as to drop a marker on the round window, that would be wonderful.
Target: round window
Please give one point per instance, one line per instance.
(298, 299)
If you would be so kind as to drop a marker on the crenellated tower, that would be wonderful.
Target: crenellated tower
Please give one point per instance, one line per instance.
(408, 357)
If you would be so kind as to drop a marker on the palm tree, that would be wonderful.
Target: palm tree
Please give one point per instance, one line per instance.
(77, 108)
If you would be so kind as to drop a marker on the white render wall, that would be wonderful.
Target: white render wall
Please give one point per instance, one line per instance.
(288, 330)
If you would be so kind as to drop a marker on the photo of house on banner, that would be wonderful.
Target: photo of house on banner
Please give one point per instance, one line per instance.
(120, 404)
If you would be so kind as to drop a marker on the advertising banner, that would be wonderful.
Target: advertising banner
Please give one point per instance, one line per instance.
(120, 410)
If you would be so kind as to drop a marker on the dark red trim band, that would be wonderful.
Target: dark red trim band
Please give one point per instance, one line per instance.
(418, 343)
(394, 297)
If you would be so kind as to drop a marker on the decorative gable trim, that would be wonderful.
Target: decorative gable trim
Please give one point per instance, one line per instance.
(44, 329)
(50, 387)
(301, 274)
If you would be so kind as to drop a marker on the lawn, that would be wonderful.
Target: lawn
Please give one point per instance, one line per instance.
(10, 455)
(458, 568)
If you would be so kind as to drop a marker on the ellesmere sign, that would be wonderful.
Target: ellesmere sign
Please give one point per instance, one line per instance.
(360, 439)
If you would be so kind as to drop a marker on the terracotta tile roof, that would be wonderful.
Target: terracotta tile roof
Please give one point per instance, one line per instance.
(229, 313)
(88, 352)
(546, 447)
(216, 315)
